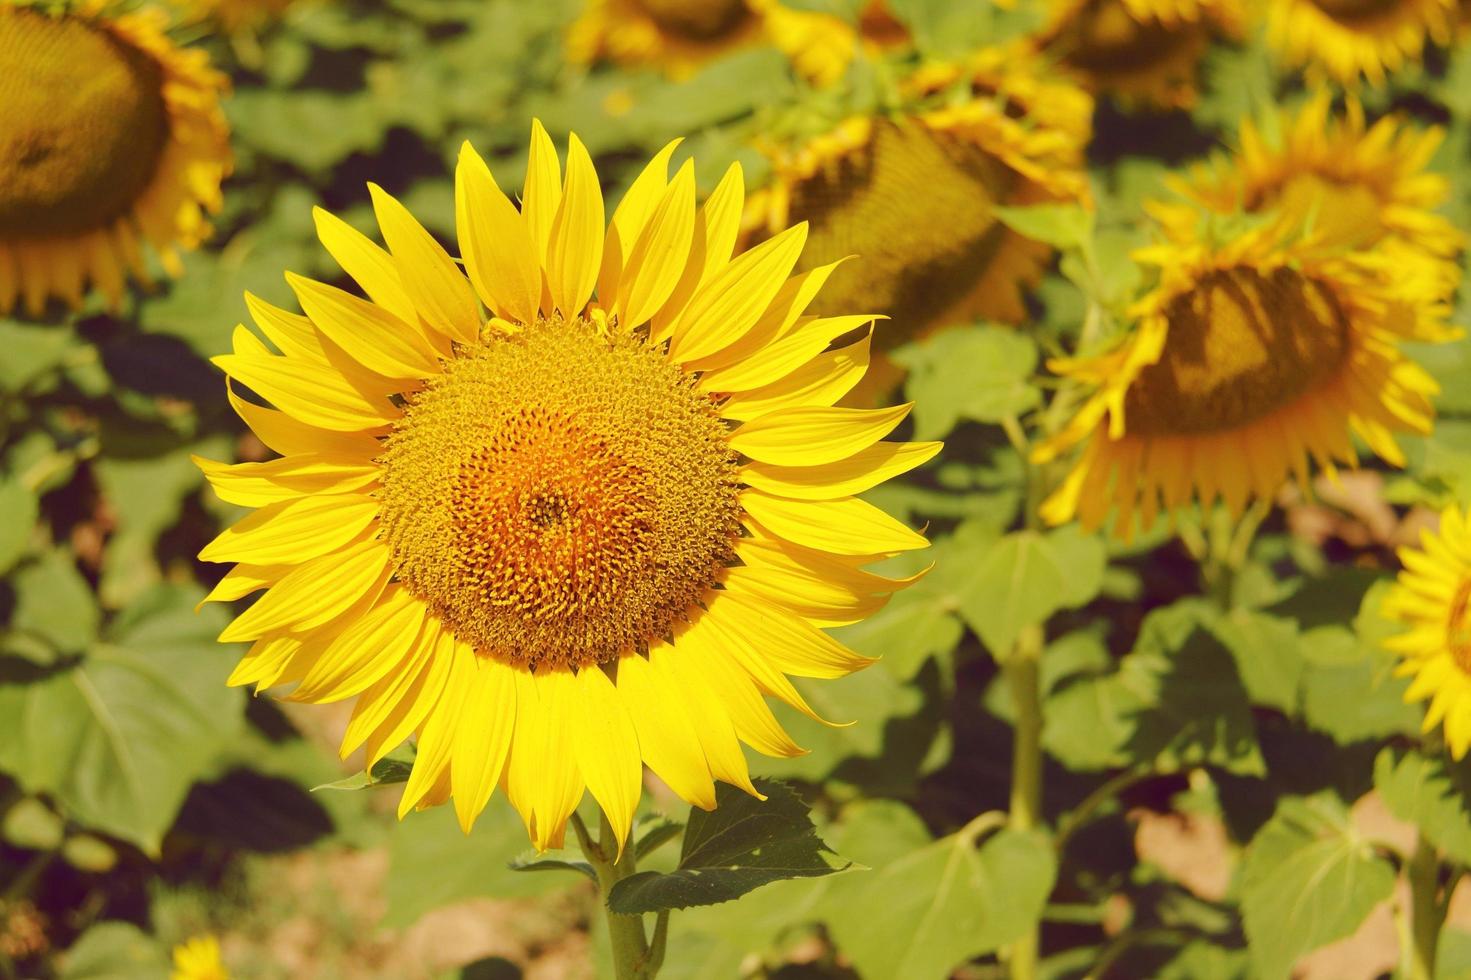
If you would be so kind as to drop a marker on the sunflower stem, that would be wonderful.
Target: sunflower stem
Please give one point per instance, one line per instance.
(633, 959)
(1426, 913)
(1023, 675)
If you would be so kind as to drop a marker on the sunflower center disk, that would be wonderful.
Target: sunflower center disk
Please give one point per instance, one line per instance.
(1458, 627)
(560, 498)
(919, 207)
(82, 124)
(697, 19)
(1350, 10)
(1105, 38)
(1240, 345)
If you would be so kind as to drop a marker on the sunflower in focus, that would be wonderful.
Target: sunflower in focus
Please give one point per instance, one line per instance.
(1432, 598)
(1144, 51)
(559, 539)
(1250, 358)
(1350, 40)
(914, 195)
(1365, 187)
(199, 959)
(110, 137)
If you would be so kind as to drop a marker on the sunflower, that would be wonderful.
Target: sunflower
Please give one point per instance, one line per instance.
(199, 959)
(1144, 51)
(822, 46)
(1350, 40)
(1249, 358)
(112, 137)
(914, 194)
(563, 539)
(1365, 186)
(1433, 599)
(675, 36)
(236, 16)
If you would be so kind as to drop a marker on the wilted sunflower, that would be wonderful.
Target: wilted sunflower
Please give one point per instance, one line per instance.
(199, 959)
(1145, 51)
(1362, 186)
(112, 137)
(568, 539)
(1433, 599)
(1249, 359)
(1347, 40)
(914, 194)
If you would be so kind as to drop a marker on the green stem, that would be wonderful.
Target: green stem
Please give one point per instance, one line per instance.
(633, 959)
(1085, 811)
(1426, 913)
(1023, 675)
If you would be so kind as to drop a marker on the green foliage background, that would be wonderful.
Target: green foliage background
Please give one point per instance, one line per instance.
(127, 768)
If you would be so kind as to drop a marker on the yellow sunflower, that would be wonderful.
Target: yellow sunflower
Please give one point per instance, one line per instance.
(1433, 599)
(1350, 40)
(914, 194)
(1145, 51)
(113, 137)
(675, 36)
(1364, 186)
(562, 539)
(199, 959)
(1249, 359)
(822, 46)
(236, 16)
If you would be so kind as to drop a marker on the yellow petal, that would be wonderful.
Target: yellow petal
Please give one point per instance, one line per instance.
(716, 228)
(242, 580)
(365, 651)
(483, 739)
(292, 333)
(575, 250)
(369, 334)
(793, 646)
(607, 749)
(413, 707)
(370, 266)
(541, 193)
(316, 593)
(383, 698)
(629, 219)
(542, 779)
(749, 714)
(285, 435)
(498, 251)
(436, 738)
(661, 252)
(265, 661)
(734, 299)
(779, 359)
(715, 731)
(307, 392)
(785, 309)
(821, 381)
(294, 530)
(439, 290)
(846, 526)
(666, 734)
(813, 436)
(863, 470)
(753, 661)
(258, 484)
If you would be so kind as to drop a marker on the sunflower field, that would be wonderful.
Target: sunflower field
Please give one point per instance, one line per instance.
(883, 489)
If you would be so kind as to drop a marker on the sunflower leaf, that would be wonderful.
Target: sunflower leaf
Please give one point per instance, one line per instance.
(1429, 792)
(384, 772)
(742, 844)
(531, 861)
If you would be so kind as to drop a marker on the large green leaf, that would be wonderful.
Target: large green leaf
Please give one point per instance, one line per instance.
(1309, 878)
(1350, 692)
(1430, 792)
(1025, 578)
(55, 604)
(980, 374)
(742, 844)
(21, 509)
(1268, 656)
(119, 736)
(115, 951)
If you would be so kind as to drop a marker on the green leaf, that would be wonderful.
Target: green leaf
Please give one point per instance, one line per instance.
(31, 824)
(943, 28)
(1028, 576)
(980, 374)
(1350, 692)
(54, 602)
(384, 772)
(654, 834)
(119, 737)
(1176, 700)
(1064, 226)
(1268, 656)
(742, 844)
(32, 350)
(1308, 878)
(929, 908)
(21, 510)
(115, 951)
(1431, 793)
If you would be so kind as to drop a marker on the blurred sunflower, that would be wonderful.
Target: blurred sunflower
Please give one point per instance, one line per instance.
(569, 539)
(235, 16)
(1433, 599)
(1145, 51)
(112, 137)
(1352, 39)
(1249, 358)
(914, 195)
(1364, 186)
(199, 959)
(822, 46)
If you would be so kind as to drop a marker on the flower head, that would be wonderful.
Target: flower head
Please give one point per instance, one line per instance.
(1349, 41)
